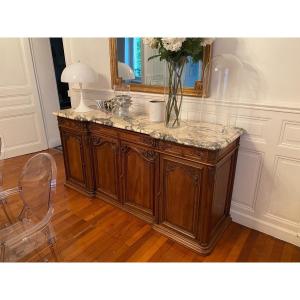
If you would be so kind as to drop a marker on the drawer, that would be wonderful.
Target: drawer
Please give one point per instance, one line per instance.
(200, 155)
(138, 138)
(103, 130)
(73, 125)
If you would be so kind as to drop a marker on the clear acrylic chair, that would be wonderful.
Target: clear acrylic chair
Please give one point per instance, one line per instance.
(33, 229)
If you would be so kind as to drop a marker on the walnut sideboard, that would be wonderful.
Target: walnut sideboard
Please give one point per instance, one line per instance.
(184, 191)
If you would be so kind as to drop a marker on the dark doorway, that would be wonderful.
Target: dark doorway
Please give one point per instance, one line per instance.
(59, 62)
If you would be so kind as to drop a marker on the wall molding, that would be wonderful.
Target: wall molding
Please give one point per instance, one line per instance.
(278, 106)
(260, 156)
(284, 132)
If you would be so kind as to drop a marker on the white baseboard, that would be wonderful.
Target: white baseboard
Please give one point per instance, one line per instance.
(265, 227)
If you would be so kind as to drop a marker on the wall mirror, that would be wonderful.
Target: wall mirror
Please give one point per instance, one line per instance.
(129, 64)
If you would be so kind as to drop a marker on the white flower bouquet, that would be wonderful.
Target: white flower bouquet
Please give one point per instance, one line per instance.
(176, 51)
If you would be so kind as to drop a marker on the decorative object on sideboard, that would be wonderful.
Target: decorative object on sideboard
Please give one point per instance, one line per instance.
(125, 71)
(176, 52)
(105, 105)
(79, 73)
(222, 78)
(122, 100)
(156, 110)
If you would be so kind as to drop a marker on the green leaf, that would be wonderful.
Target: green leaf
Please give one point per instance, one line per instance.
(153, 56)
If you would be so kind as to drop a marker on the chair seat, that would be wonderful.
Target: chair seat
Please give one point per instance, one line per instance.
(11, 231)
(16, 249)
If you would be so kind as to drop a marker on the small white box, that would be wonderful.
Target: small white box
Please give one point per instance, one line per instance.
(156, 110)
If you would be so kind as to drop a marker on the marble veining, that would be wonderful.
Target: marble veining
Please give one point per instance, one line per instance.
(198, 134)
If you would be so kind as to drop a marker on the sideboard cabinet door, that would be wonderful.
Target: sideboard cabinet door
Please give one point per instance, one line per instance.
(180, 195)
(138, 167)
(106, 165)
(75, 165)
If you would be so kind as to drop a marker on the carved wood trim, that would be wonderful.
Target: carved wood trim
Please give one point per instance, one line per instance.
(202, 154)
(164, 145)
(70, 123)
(68, 134)
(149, 141)
(96, 140)
(124, 148)
(150, 155)
(170, 168)
(193, 172)
(196, 91)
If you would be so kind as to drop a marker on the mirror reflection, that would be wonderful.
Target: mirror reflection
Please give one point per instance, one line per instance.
(134, 67)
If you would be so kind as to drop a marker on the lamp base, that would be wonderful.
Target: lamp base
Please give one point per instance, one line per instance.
(82, 107)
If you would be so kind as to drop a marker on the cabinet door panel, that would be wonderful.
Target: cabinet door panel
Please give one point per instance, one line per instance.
(105, 153)
(180, 195)
(138, 173)
(220, 194)
(74, 157)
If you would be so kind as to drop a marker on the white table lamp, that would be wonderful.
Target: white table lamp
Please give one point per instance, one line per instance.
(79, 73)
(125, 72)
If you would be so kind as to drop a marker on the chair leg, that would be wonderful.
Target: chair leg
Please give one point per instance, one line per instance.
(2, 253)
(52, 242)
(53, 251)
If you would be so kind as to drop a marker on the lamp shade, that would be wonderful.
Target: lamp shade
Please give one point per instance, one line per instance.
(78, 73)
(125, 72)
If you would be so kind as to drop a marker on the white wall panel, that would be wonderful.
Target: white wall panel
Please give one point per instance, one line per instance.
(14, 71)
(247, 179)
(21, 122)
(290, 134)
(284, 198)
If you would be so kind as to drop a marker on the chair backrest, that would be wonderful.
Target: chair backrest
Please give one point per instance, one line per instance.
(38, 183)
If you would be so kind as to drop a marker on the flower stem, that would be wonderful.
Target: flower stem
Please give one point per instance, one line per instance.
(174, 91)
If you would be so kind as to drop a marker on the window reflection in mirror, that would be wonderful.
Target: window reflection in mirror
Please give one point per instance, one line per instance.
(134, 66)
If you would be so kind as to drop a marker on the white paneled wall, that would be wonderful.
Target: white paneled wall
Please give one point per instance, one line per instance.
(267, 195)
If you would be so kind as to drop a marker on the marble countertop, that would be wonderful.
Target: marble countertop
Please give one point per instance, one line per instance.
(197, 134)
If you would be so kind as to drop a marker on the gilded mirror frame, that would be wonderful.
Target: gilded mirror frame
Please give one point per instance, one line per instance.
(196, 91)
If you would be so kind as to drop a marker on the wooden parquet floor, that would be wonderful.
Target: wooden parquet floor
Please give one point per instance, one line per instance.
(91, 230)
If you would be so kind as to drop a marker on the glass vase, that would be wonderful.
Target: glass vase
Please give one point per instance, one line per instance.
(174, 92)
